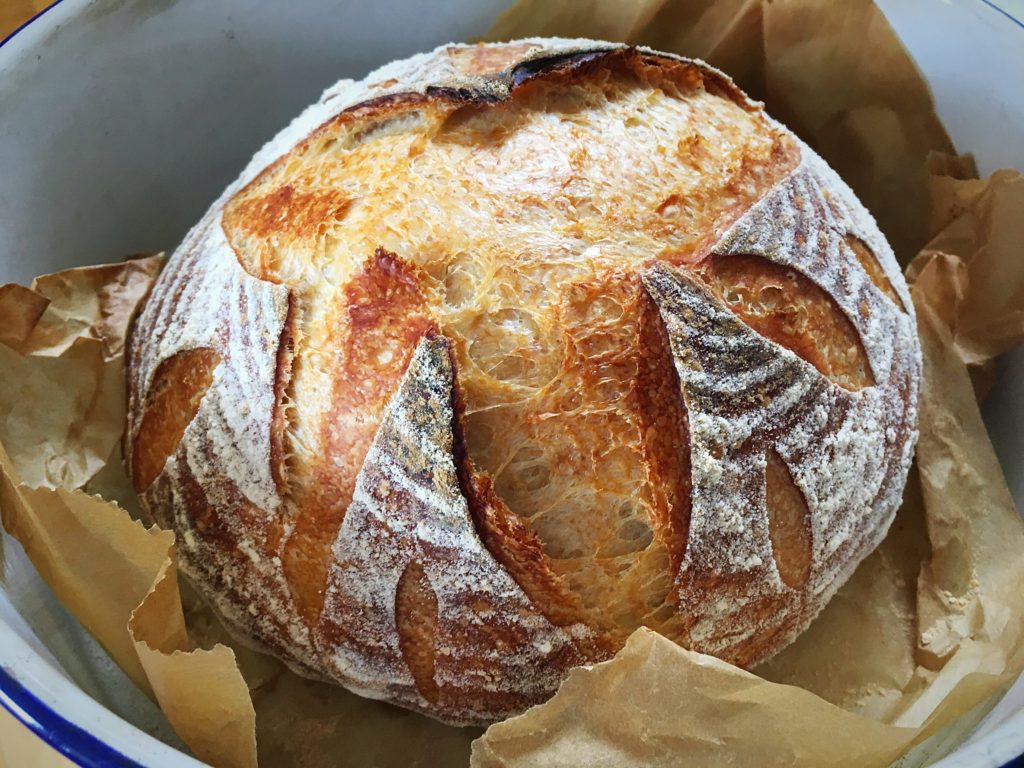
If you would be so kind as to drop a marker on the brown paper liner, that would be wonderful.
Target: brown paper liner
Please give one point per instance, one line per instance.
(928, 630)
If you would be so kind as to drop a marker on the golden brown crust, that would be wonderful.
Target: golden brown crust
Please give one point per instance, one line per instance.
(416, 623)
(789, 523)
(522, 347)
(382, 319)
(510, 540)
(179, 383)
(874, 270)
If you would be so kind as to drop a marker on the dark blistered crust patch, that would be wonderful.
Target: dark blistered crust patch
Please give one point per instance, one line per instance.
(546, 65)
(580, 64)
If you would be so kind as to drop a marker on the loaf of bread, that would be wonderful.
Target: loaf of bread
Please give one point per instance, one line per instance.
(507, 350)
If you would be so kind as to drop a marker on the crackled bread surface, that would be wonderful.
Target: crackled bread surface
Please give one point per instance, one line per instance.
(507, 350)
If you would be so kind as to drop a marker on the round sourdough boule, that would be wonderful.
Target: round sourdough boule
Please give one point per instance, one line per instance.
(507, 350)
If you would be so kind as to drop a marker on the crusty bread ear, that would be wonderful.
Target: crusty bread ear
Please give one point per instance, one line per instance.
(507, 350)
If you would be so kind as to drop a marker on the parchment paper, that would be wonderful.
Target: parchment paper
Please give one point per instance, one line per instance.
(927, 630)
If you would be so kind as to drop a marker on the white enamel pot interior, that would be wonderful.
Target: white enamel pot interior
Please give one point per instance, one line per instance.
(120, 120)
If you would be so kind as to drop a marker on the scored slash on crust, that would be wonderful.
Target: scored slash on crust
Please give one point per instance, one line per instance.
(409, 511)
